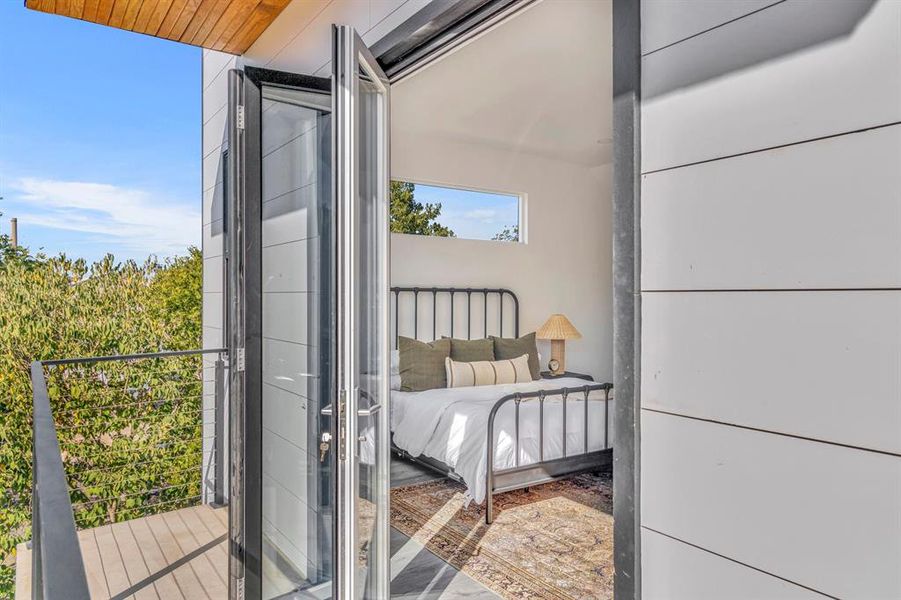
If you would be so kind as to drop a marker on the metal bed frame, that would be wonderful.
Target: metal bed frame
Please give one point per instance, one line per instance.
(519, 476)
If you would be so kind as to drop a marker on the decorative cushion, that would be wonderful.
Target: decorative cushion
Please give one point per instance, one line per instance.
(487, 372)
(422, 364)
(507, 348)
(395, 369)
(471, 350)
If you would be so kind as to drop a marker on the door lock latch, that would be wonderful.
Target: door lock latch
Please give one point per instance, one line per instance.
(324, 445)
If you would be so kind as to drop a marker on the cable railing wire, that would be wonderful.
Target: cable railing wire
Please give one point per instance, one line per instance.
(128, 440)
(158, 402)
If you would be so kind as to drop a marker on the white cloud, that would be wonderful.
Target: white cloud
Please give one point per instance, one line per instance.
(132, 219)
(485, 215)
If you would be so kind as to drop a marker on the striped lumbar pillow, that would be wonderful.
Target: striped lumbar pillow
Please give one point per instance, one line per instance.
(487, 372)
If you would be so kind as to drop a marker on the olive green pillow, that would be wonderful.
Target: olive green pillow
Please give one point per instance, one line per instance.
(422, 364)
(509, 348)
(471, 350)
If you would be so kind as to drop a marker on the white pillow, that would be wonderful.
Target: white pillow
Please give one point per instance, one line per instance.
(487, 372)
(395, 363)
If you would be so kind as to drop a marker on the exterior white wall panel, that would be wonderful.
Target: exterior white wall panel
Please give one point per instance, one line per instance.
(795, 71)
(771, 300)
(666, 22)
(778, 218)
(670, 568)
(823, 365)
(788, 506)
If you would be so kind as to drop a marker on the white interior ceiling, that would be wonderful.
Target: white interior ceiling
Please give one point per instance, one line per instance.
(540, 83)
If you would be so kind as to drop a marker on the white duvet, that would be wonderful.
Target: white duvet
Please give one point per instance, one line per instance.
(451, 425)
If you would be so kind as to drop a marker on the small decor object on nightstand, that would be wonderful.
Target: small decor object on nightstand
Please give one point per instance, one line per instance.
(558, 329)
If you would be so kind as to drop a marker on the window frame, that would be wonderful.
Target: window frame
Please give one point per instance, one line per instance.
(521, 211)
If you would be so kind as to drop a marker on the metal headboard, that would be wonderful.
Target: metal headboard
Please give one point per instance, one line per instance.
(497, 297)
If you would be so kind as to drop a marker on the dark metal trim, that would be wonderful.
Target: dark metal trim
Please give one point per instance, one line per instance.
(237, 342)
(432, 293)
(57, 566)
(252, 220)
(435, 28)
(220, 460)
(627, 297)
(259, 76)
(249, 267)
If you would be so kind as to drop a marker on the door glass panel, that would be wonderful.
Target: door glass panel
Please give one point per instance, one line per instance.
(373, 356)
(297, 349)
(361, 181)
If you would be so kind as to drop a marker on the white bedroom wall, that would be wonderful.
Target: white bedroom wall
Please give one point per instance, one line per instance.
(771, 336)
(457, 122)
(567, 219)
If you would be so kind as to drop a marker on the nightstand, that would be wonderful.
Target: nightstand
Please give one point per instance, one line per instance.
(547, 375)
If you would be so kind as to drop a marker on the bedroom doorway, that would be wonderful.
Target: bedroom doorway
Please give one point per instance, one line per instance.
(471, 478)
(502, 317)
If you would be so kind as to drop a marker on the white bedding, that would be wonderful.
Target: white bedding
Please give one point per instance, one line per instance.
(451, 425)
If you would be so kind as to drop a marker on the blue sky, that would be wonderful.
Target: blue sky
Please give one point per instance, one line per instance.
(99, 137)
(473, 215)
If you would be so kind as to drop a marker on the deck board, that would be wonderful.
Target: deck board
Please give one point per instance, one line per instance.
(111, 563)
(133, 561)
(178, 555)
(216, 585)
(91, 554)
(166, 586)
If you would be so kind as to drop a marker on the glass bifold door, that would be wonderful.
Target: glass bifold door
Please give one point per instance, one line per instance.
(307, 192)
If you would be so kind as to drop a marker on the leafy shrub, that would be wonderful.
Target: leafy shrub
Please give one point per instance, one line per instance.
(141, 452)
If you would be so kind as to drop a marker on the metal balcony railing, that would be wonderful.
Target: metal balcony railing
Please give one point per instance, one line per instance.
(117, 438)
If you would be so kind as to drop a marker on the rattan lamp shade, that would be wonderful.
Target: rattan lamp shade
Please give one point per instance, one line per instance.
(558, 327)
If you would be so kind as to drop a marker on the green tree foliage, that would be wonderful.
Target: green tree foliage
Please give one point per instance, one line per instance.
(507, 234)
(177, 297)
(410, 216)
(129, 433)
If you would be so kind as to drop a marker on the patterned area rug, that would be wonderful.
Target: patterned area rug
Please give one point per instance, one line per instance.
(554, 541)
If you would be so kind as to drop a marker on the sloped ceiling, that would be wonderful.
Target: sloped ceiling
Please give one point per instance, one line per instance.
(540, 83)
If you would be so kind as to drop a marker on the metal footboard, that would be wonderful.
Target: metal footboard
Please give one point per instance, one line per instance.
(521, 476)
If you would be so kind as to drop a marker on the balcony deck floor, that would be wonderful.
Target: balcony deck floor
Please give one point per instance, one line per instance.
(183, 555)
(169, 556)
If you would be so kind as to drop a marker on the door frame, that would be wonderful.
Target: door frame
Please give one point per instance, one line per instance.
(438, 28)
(245, 282)
(433, 30)
(350, 56)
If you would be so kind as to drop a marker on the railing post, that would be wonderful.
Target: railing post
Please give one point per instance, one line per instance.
(37, 579)
(54, 540)
(220, 473)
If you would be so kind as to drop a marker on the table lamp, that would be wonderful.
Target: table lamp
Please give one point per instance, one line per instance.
(558, 329)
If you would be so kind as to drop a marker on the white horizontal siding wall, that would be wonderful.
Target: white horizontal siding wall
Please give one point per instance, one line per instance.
(214, 97)
(771, 299)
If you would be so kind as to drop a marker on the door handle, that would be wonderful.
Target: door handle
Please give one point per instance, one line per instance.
(368, 412)
(326, 411)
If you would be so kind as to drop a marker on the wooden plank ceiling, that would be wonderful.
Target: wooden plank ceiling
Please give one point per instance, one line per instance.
(226, 25)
